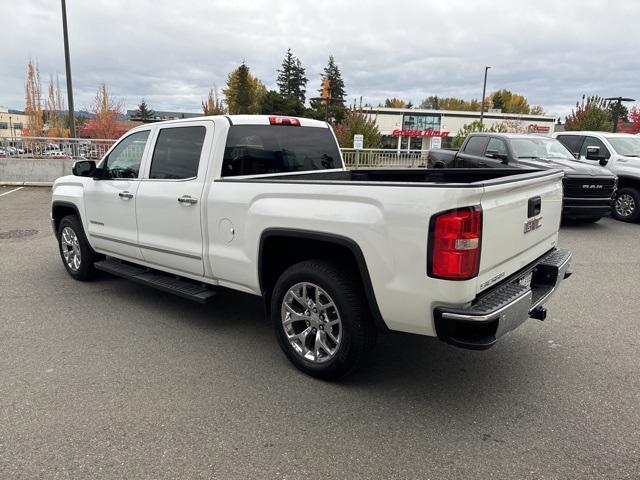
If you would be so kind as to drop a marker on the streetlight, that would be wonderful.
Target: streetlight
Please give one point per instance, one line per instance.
(616, 112)
(484, 91)
(67, 61)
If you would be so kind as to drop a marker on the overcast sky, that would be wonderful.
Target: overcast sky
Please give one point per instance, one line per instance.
(172, 52)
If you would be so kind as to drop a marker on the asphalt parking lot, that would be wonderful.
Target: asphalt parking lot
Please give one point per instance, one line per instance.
(109, 379)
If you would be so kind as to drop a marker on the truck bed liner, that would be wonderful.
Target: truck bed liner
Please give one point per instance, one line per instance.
(472, 177)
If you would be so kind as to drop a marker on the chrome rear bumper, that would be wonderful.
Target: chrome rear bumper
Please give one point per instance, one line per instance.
(505, 306)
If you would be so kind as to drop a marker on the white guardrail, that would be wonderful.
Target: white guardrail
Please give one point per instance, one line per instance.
(53, 147)
(384, 158)
(79, 148)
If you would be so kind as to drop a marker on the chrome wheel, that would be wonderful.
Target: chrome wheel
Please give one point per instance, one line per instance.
(70, 247)
(311, 322)
(625, 205)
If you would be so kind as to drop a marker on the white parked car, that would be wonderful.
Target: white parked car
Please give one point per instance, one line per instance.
(55, 154)
(265, 206)
(620, 153)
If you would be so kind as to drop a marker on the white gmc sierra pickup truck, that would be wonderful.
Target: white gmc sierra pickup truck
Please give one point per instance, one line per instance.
(265, 205)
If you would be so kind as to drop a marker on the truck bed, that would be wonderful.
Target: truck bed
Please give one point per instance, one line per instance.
(426, 177)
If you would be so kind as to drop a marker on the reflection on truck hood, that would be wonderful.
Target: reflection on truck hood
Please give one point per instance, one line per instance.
(629, 161)
(568, 166)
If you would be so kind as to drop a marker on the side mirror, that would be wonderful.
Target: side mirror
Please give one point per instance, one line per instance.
(84, 168)
(593, 153)
(495, 154)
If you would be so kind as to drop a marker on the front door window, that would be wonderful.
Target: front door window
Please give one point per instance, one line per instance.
(124, 160)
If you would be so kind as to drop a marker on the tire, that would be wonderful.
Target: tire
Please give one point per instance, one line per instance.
(626, 206)
(325, 282)
(80, 257)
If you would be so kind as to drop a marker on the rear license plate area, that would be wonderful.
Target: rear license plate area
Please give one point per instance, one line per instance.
(525, 280)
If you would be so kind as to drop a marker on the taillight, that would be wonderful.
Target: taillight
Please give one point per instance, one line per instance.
(454, 239)
(284, 121)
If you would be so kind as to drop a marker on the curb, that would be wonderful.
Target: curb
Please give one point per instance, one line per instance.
(26, 184)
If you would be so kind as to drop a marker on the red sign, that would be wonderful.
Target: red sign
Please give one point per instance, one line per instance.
(418, 133)
(533, 128)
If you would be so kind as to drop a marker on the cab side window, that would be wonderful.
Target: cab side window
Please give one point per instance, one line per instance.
(177, 153)
(594, 142)
(572, 142)
(496, 146)
(476, 145)
(124, 160)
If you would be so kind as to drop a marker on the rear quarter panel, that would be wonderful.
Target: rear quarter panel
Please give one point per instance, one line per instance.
(389, 224)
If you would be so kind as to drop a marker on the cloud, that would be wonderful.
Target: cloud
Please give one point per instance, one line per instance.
(172, 52)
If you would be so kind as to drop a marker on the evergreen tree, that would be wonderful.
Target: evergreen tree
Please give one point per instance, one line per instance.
(244, 95)
(332, 108)
(143, 112)
(273, 103)
(619, 111)
(243, 91)
(432, 102)
(292, 81)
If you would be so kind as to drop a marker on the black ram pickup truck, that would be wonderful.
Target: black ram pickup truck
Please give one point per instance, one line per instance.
(588, 189)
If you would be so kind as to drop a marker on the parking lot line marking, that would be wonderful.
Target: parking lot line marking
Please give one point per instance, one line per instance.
(11, 191)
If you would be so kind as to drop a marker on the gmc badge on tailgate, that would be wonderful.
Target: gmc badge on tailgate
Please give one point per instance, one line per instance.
(532, 224)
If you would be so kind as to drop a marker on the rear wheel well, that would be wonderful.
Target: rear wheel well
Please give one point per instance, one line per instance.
(280, 250)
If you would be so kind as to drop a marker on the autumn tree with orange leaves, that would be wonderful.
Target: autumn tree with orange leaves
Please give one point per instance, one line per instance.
(33, 102)
(106, 111)
(56, 121)
(634, 122)
(213, 104)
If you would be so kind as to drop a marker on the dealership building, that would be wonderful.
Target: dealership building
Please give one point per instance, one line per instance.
(420, 129)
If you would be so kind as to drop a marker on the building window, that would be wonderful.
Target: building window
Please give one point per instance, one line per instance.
(388, 141)
(4, 126)
(17, 126)
(421, 122)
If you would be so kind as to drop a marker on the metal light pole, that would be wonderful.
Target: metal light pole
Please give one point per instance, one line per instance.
(67, 61)
(616, 112)
(484, 91)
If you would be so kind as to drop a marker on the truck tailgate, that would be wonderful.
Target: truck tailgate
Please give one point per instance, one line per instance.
(514, 232)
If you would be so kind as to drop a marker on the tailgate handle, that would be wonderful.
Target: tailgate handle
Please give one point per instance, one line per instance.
(535, 205)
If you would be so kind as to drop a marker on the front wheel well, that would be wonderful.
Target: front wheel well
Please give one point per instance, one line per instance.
(628, 182)
(61, 210)
(280, 250)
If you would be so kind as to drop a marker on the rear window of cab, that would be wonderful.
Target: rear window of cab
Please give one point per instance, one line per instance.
(264, 149)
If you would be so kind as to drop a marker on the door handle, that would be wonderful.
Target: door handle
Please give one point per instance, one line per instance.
(187, 200)
(125, 195)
